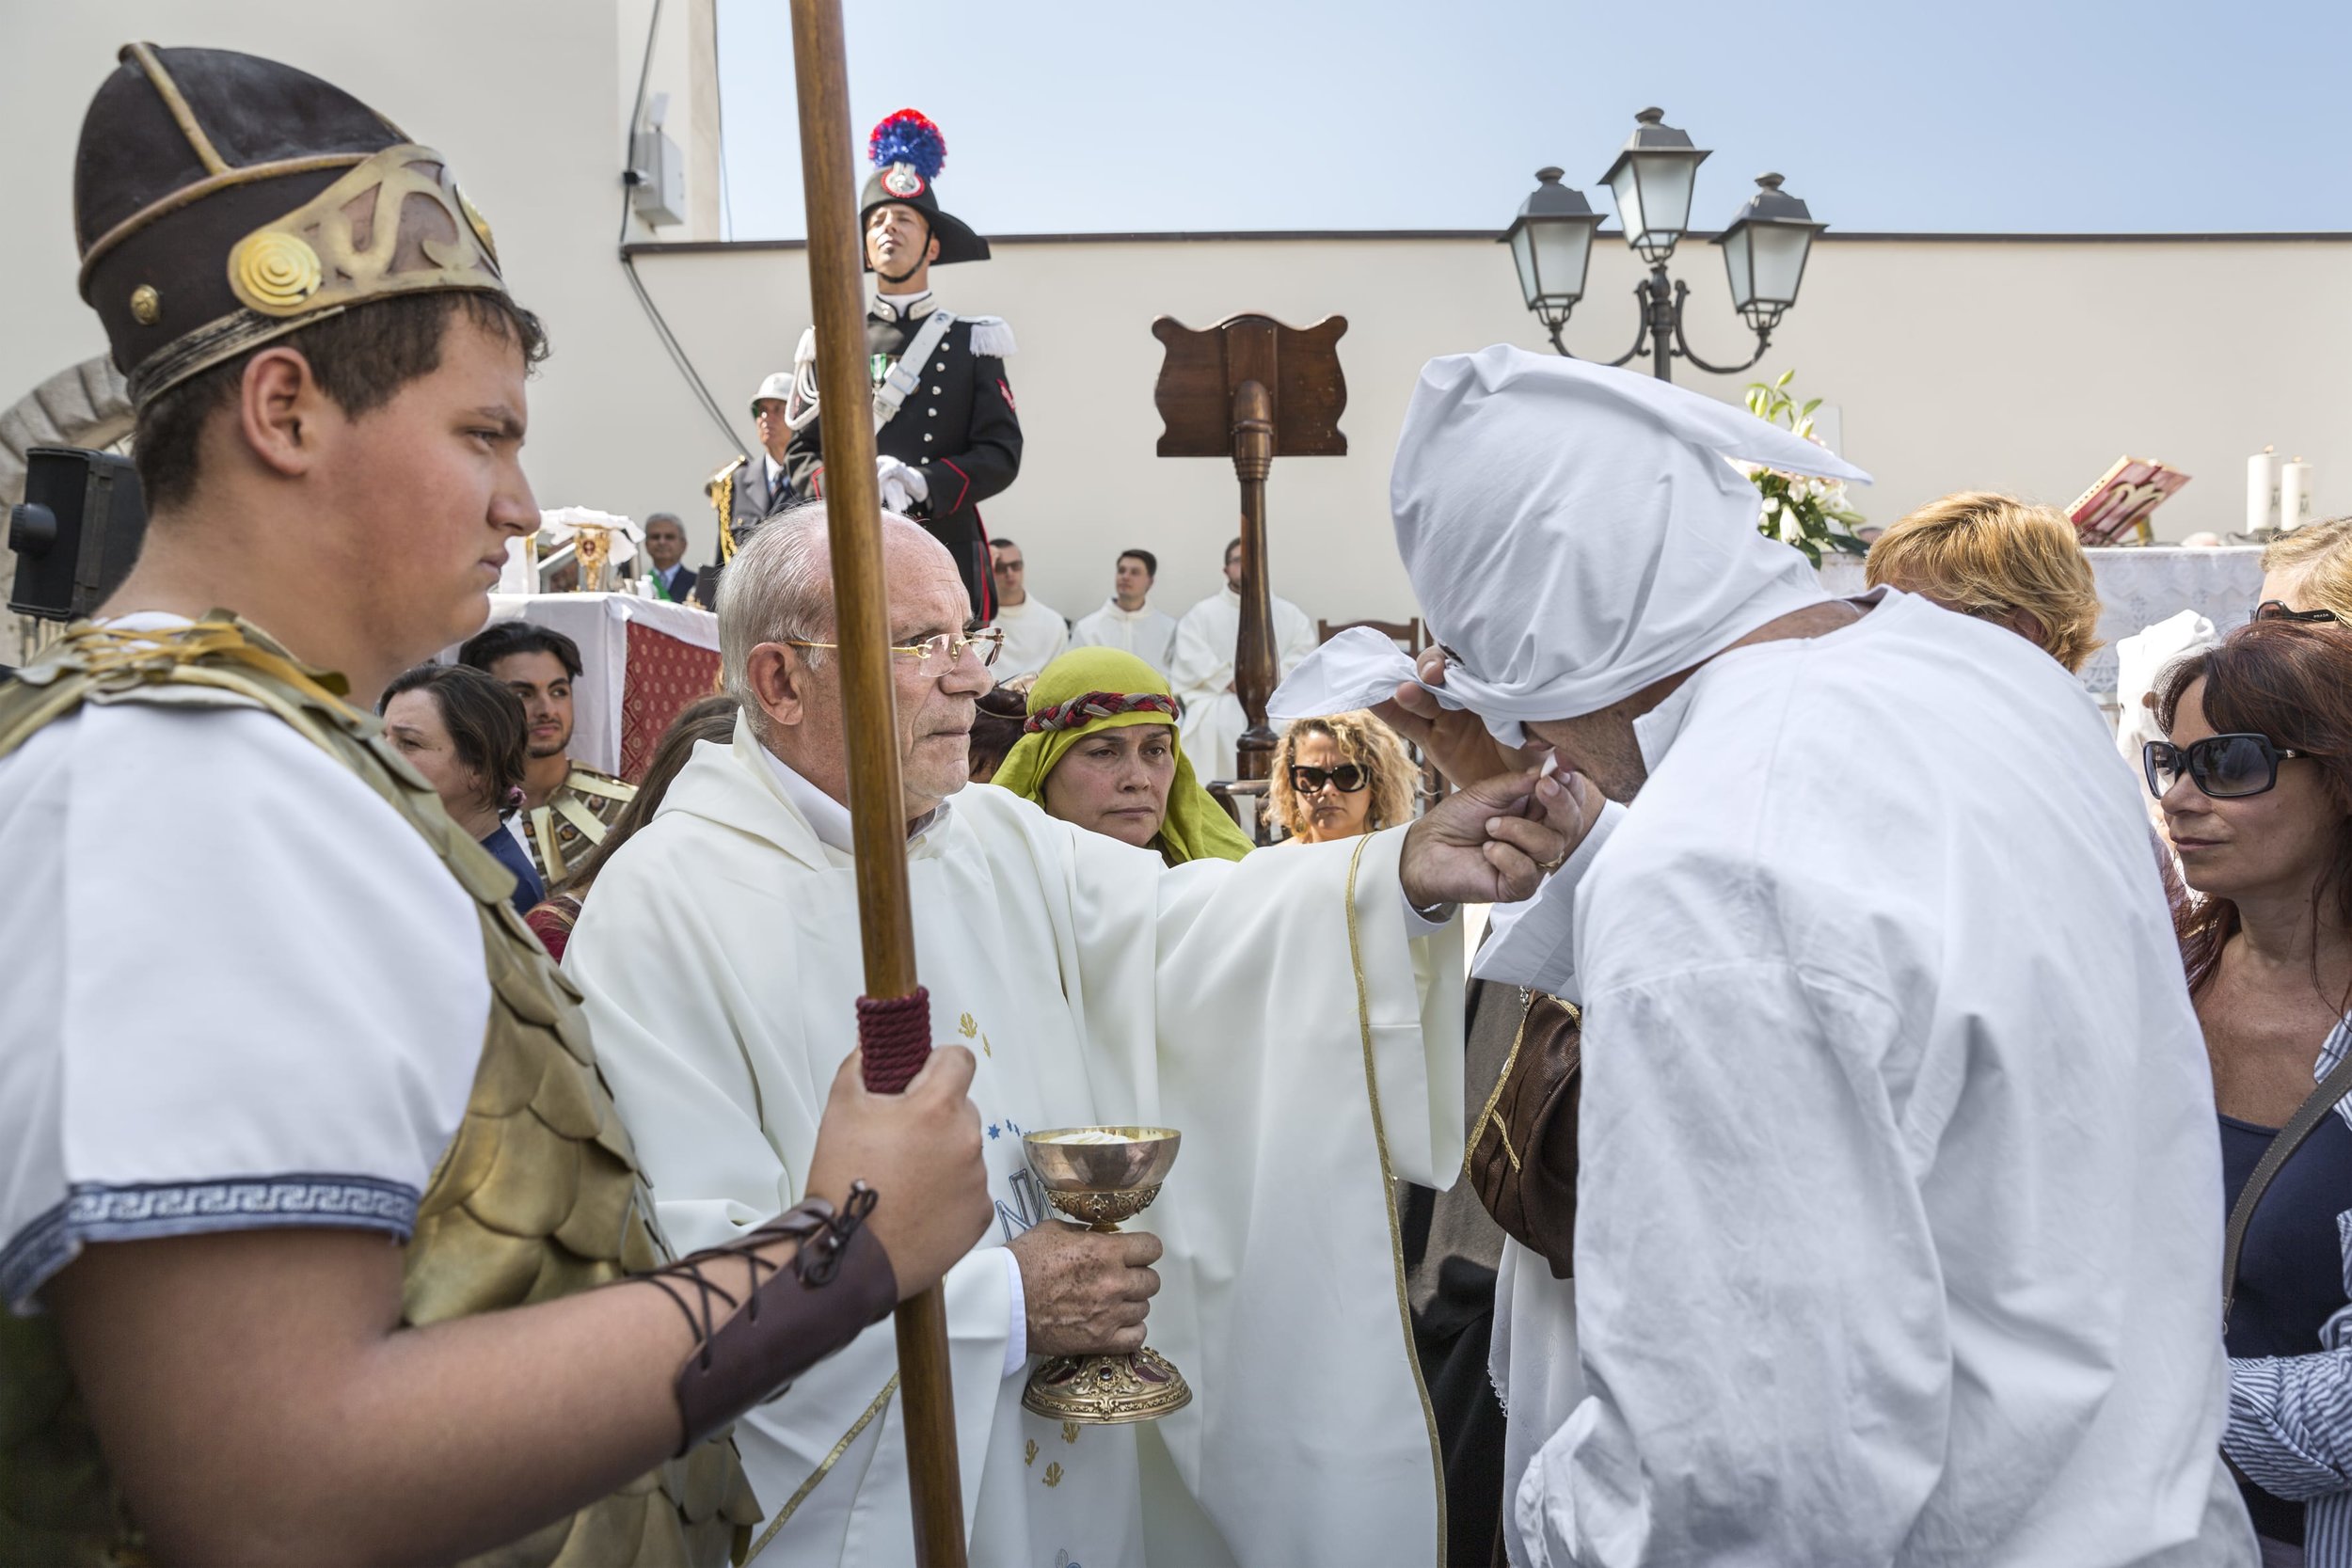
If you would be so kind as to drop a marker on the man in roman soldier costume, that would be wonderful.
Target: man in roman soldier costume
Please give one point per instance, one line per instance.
(945, 433)
(268, 1011)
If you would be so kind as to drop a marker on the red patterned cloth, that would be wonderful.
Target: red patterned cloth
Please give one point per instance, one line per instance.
(664, 674)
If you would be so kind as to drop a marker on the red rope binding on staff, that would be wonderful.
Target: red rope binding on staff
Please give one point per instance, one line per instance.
(894, 1037)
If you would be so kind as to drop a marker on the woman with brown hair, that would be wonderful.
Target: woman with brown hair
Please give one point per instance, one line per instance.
(466, 733)
(1340, 777)
(708, 719)
(2255, 779)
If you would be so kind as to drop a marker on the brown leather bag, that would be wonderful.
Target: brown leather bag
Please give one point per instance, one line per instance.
(1521, 1154)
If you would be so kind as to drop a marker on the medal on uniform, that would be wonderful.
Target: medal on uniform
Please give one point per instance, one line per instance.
(878, 366)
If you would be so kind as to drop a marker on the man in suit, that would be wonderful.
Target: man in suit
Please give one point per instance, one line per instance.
(947, 434)
(665, 549)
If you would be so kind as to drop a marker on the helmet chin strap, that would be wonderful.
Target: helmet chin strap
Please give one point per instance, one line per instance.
(925, 245)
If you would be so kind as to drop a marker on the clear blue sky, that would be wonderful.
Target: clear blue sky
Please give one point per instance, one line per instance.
(1992, 116)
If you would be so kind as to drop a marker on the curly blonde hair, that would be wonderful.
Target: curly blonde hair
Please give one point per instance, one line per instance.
(1361, 739)
(2317, 557)
(1991, 556)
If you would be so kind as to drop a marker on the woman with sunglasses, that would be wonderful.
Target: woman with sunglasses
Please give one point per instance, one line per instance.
(1339, 777)
(2255, 779)
(1099, 749)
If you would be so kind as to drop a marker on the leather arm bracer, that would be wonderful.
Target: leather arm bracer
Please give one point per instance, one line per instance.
(760, 1325)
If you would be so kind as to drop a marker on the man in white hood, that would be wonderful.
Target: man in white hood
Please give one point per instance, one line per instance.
(1898, 1217)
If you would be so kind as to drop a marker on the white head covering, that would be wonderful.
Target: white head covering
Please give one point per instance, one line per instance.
(1574, 533)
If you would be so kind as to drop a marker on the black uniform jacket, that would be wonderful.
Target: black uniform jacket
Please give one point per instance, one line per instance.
(958, 427)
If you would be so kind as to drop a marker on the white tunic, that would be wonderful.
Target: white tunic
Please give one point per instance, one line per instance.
(1202, 672)
(241, 992)
(1145, 633)
(1094, 985)
(1035, 635)
(1899, 1208)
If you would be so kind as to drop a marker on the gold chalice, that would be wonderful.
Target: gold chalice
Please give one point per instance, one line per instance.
(1103, 1174)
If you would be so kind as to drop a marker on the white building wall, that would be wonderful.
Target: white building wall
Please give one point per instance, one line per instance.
(2026, 366)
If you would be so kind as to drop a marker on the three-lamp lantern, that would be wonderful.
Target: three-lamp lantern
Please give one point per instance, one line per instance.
(1765, 246)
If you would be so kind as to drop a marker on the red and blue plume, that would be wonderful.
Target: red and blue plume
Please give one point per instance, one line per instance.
(909, 137)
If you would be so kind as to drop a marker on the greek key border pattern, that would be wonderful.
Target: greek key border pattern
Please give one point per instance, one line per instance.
(96, 1212)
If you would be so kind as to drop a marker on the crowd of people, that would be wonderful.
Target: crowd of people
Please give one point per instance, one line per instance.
(1881, 1127)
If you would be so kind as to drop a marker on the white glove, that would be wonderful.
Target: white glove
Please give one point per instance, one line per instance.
(902, 484)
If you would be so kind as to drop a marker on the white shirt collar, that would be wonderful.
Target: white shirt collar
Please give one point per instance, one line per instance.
(1111, 605)
(827, 817)
(774, 469)
(903, 307)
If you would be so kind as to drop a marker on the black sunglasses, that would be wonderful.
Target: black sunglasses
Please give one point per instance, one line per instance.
(2226, 767)
(2275, 610)
(1347, 778)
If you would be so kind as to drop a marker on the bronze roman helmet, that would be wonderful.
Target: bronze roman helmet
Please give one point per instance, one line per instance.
(221, 200)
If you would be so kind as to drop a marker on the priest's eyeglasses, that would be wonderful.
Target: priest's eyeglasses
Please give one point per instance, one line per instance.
(2225, 766)
(949, 645)
(1347, 778)
(2275, 610)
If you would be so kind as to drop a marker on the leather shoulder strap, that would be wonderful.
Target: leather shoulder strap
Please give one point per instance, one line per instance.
(2301, 1126)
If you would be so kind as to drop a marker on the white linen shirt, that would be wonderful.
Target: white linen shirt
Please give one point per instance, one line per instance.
(242, 993)
(1897, 1240)
(1145, 633)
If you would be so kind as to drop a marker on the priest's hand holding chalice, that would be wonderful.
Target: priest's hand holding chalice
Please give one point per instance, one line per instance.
(1100, 1371)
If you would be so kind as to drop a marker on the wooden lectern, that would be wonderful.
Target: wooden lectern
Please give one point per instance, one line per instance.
(1252, 389)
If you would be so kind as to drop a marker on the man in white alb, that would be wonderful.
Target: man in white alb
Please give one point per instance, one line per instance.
(1127, 619)
(1035, 632)
(1896, 1237)
(1202, 667)
(1258, 1007)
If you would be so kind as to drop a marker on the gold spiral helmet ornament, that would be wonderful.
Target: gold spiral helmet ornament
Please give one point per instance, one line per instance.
(274, 272)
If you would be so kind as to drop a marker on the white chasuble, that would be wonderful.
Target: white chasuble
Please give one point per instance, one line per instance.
(1258, 1007)
(1201, 672)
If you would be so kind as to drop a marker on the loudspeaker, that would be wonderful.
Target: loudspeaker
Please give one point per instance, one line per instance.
(76, 532)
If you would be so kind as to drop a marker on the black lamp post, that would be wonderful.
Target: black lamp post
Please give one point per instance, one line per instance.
(1765, 246)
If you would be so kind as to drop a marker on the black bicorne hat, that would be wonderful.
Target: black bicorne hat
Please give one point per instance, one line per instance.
(908, 152)
(221, 200)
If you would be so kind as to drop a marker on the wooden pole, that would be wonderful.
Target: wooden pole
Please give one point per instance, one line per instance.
(1254, 652)
(862, 621)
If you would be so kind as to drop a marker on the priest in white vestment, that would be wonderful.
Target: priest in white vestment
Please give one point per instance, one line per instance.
(1035, 632)
(1201, 668)
(1898, 1221)
(1127, 619)
(1296, 1015)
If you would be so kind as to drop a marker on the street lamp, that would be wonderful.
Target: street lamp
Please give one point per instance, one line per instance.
(1551, 245)
(1765, 250)
(1765, 246)
(1651, 180)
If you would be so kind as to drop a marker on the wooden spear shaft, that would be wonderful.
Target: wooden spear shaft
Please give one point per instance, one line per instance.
(862, 620)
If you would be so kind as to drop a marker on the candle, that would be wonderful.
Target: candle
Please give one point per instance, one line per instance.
(2295, 494)
(2261, 489)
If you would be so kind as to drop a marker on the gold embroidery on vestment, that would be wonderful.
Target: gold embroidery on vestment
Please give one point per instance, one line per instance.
(1388, 1193)
(823, 1470)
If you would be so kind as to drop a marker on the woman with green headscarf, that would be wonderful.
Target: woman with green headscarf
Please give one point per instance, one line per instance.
(1100, 752)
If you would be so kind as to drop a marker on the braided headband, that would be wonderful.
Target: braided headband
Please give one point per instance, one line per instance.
(1099, 705)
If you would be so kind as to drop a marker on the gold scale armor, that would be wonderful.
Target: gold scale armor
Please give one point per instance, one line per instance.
(538, 1196)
